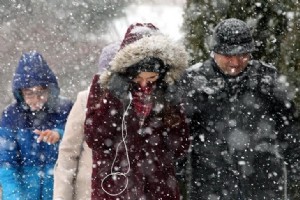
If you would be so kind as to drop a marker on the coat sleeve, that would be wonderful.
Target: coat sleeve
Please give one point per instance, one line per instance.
(70, 150)
(91, 113)
(9, 117)
(98, 128)
(9, 165)
(178, 136)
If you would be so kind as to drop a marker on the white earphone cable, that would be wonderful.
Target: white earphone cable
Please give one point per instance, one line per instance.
(115, 174)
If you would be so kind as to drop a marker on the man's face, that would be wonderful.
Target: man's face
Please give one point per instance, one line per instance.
(232, 65)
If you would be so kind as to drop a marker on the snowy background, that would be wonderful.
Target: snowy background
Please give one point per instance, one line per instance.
(71, 34)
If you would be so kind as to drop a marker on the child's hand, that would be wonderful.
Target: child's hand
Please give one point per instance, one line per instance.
(49, 136)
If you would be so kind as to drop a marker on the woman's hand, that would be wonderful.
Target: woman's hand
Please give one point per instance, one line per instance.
(49, 136)
(119, 85)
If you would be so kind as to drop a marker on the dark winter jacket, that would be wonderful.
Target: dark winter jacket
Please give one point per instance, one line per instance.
(245, 141)
(29, 161)
(133, 157)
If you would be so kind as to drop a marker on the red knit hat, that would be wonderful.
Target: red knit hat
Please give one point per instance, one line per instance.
(138, 31)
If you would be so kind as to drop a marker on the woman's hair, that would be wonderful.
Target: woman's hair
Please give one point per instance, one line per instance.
(148, 64)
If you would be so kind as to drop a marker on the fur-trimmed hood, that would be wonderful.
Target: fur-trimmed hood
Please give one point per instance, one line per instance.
(160, 46)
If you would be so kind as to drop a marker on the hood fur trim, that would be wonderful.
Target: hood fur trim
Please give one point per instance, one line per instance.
(159, 46)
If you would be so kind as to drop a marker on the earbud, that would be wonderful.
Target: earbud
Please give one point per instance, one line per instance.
(130, 96)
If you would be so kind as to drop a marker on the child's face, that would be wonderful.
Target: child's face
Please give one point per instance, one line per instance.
(35, 97)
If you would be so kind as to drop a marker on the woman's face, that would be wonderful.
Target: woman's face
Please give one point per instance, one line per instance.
(35, 97)
(145, 78)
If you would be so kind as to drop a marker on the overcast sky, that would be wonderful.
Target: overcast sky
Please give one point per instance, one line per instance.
(167, 17)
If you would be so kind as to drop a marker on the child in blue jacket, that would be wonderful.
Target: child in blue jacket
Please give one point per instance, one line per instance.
(31, 130)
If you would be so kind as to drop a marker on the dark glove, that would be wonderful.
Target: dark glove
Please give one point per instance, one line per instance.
(174, 94)
(177, 93)
(119, 85)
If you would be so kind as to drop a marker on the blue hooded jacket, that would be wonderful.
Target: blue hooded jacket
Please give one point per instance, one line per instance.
(28, 162)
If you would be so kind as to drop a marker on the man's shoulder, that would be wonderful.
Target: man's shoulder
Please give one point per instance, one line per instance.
(200, 67)
(263, 67)
(195, 68)
(194, 72)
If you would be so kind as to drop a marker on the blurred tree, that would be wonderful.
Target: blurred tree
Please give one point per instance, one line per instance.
(289, 62)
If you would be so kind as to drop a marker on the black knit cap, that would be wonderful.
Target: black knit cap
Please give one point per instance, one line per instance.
(231, 37)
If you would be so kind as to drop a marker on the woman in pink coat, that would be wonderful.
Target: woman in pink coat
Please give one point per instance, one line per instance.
(133, 126)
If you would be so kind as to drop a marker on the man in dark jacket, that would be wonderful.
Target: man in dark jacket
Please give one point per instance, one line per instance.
(243, 123)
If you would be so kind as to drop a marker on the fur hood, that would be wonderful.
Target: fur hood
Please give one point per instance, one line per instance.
(159, 46)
